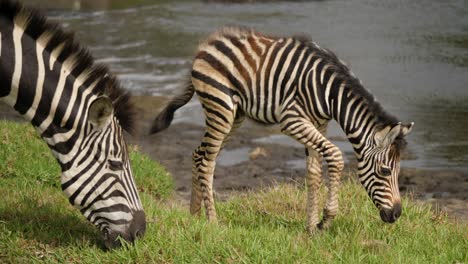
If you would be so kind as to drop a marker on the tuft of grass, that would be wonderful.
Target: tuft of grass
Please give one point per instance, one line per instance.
(37, 224)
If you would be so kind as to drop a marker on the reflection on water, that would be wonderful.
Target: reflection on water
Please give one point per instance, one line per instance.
(411, 54)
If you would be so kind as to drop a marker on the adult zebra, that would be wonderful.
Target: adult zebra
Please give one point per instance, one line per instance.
(79, 109)
(294, 83)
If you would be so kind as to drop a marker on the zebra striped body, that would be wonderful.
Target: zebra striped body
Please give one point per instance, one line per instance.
(79, 110)
(292, 82)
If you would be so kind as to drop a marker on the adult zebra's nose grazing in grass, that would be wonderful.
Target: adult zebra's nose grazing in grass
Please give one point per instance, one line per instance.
(292, 82)
(80, 111)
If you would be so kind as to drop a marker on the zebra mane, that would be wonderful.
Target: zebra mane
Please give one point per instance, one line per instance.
(234, 31)
(383, 118)
(74, 54)
(343, 73)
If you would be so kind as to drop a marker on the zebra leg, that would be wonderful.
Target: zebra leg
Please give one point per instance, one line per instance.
(196, 196)
(202, 178)
(240, 117)
(197, 157)
(205, 179)
(213, 141)
(331, 206)
(313, 180)
(301, 129)
(204, 163)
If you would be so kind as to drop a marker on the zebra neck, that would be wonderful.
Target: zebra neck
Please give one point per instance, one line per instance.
(355, 117)
(66, 131)
(60, 125)
(44, 90)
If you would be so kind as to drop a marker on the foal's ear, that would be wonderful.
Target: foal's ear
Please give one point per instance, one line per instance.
(100, 111)
(388, 134)
(406, 128)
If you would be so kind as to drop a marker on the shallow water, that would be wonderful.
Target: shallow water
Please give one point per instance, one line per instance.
(411, 54)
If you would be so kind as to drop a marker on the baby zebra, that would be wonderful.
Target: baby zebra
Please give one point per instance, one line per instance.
(79, 110)
(292, 82)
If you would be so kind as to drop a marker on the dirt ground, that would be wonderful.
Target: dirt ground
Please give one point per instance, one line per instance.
(266, 164)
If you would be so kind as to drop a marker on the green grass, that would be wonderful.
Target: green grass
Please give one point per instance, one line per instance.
(38, 225)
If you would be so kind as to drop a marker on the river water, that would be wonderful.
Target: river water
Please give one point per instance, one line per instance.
(411, 54)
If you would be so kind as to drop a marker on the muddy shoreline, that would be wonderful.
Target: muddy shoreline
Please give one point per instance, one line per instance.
(268, 163)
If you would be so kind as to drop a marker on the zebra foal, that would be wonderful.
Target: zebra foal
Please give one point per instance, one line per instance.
(290, 81)
(79, 110)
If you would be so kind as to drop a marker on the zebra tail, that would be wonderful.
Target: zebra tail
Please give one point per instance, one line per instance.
(164, 119)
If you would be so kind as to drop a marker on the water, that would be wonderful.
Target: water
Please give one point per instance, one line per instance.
(411, 54)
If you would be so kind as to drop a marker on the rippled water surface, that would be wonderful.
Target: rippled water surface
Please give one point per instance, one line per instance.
(411, 54)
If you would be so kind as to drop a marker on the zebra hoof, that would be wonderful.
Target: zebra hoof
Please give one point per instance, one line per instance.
(212, 220)
(323, 225)
(313, 229)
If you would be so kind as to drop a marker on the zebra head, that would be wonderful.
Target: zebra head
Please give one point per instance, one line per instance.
(100, 181)
(379, 166)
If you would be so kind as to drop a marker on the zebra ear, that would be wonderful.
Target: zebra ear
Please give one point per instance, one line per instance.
(387, 135)
(406, 128)
(100, 111)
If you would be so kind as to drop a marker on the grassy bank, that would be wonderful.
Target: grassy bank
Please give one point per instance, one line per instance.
(37, 223)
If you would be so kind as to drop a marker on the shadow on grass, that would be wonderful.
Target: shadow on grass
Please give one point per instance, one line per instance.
(47, 224)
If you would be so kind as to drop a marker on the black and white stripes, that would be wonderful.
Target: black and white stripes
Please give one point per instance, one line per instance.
(292, 82)
(79, 109)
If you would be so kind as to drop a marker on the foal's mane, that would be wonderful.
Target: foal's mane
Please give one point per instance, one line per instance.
(382, 117)
(344, 74)
(37, 26)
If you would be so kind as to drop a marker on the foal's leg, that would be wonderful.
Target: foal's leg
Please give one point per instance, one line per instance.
(300, 128)
(239, 119)
(219, 122)
(313, 180)
(202, 183)
(197, 157)
(196, 196)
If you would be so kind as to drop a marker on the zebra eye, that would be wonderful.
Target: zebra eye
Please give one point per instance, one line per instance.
(115, 165)
(385, 171)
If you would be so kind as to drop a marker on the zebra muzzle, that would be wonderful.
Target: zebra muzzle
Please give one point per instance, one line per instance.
(135, 230)
(392, 214)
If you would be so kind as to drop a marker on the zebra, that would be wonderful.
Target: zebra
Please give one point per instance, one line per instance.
(80, 111)
(290, 81)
